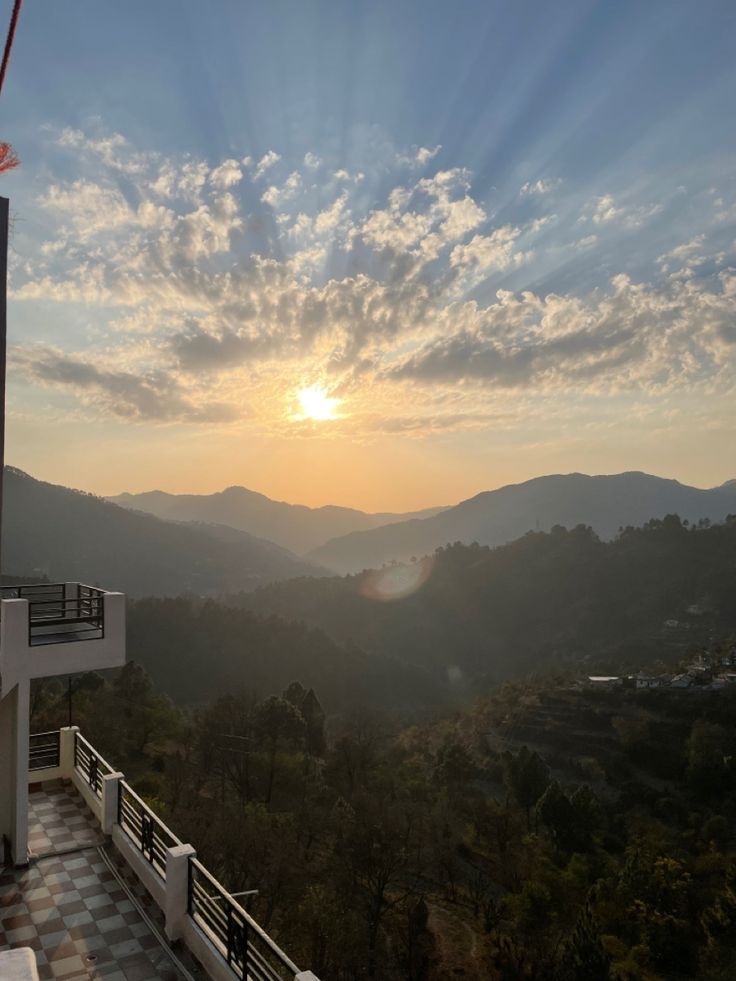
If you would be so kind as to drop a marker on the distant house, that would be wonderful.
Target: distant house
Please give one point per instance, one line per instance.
(646, 681)
(604, 681)
(681, 681)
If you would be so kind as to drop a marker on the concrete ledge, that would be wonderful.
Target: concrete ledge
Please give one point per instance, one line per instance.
(18, 965)
(210, 956)
(140, 866)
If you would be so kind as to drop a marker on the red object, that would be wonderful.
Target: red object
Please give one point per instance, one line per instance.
(8, 158)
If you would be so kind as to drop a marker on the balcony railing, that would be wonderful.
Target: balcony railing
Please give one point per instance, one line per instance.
(44, 750)
(147, 832)
(197, 909)
(59, 612)
(247, 948)
(90, 765)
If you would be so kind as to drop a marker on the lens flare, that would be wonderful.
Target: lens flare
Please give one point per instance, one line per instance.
(396, 582)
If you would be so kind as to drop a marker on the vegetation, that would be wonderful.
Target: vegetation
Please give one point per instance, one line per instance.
(547, 600)
(543, 832)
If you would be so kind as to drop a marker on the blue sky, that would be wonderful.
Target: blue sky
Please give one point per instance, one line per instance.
(500, 235)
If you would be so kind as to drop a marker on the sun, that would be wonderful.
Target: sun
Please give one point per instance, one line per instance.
(316, 404)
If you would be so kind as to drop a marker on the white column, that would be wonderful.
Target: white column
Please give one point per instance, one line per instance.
(110, 795)
(66, 750)
(22, 740)
(177, 888)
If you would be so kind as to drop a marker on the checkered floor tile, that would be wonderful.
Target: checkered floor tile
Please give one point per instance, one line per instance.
(59, 820)
(74, 914)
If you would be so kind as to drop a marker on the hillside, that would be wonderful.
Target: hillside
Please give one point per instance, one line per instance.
(605, 503)
(292, 526)
(68, 535)
(195, 651)
(545, 600)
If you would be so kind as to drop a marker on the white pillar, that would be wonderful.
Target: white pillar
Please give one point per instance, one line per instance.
(22, 744)
(306, 976)
(67, 737)
(177, 888)
(110, 796)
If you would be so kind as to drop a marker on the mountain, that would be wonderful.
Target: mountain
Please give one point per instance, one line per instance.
(292, 526)
(605, 503)
(548, 599)
(69, 535)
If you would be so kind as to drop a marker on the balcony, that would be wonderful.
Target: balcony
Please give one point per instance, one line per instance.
(59, 628)
(86, 812)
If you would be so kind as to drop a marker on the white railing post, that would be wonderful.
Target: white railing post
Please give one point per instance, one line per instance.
(177, 888)
(306, 976)
(67, 735)
(110, 797)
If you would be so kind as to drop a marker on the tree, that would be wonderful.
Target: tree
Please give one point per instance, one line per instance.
(527, 776)
(279, 722)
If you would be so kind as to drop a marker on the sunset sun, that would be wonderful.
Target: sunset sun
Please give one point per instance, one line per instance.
(316, 404)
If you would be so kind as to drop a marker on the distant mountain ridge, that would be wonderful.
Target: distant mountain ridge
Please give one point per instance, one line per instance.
(293, 526)
(605, 502)
(68, 535)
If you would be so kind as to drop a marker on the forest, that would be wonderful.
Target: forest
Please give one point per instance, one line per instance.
(541, 832)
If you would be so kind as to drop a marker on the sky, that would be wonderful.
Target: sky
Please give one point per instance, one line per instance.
(377, 254)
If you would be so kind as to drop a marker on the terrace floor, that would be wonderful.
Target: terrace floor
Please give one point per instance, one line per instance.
(74, 908)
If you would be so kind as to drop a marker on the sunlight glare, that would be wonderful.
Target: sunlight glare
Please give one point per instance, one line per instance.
(316, 404)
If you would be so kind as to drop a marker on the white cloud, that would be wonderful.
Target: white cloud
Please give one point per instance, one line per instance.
(539, 187)
(276, 196)
(311, 160)
(227, 175)
(265, 163)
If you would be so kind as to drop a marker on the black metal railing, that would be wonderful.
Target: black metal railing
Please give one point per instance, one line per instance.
(247, 948)
(61, 612)
(147, 832)
(44, 750)
(90, 765)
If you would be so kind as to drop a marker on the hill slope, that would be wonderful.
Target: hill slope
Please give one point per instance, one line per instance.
(67, 535)
(293, 526)
(606, 503)
(546, 599)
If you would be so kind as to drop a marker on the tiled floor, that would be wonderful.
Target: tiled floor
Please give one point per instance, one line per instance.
(58, 819)
(74, 913)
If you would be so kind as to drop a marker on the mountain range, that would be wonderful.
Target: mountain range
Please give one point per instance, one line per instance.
(293, 526)
(605, 503)
(67, 535)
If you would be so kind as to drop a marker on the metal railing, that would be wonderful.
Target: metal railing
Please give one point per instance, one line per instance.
(89, 764)
(44, 750)
(147, 832)
(247, 948)
(56, 617)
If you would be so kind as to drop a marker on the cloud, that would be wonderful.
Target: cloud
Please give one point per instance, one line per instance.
(156, 397)
(191, 294)
(312, 161)
(424, 155)
(633, 336)
(276, 196)
(265, 163)
(485, 252)
(423, 220)
(228, 174)
(544, 185)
